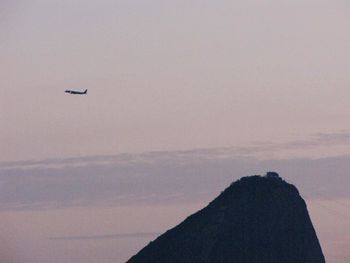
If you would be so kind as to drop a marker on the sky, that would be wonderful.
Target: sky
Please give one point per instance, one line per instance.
(183, 98)
(106, 208)
(231, 72)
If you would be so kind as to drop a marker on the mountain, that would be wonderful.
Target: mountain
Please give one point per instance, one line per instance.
(257, 219)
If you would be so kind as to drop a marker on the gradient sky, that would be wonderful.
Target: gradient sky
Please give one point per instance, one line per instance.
(195, 94)
(169, 75)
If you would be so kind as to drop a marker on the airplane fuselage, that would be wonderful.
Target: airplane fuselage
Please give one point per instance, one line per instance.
(76, 92)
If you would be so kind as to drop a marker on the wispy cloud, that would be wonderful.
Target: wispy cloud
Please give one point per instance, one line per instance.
(249, 151)
(113, 236)
(162, 177)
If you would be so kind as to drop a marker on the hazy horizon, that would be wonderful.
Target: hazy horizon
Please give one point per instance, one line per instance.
(106, 208)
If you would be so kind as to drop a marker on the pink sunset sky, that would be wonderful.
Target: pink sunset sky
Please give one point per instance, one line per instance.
(183, 98)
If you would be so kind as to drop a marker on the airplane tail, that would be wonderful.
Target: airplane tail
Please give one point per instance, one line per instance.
(85, 92)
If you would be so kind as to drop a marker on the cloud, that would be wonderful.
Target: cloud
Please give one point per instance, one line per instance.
(113, 236)
(165, 177)
(248, 151)
(336, 137)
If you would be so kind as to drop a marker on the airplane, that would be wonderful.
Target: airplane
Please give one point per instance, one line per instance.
(76, 92)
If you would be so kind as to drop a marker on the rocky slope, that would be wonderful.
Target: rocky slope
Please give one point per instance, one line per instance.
(258, 219)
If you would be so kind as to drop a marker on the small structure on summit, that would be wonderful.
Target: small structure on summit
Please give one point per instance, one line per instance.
(272, 175)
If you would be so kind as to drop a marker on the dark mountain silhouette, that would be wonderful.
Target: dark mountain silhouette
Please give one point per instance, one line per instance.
(258, 219)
